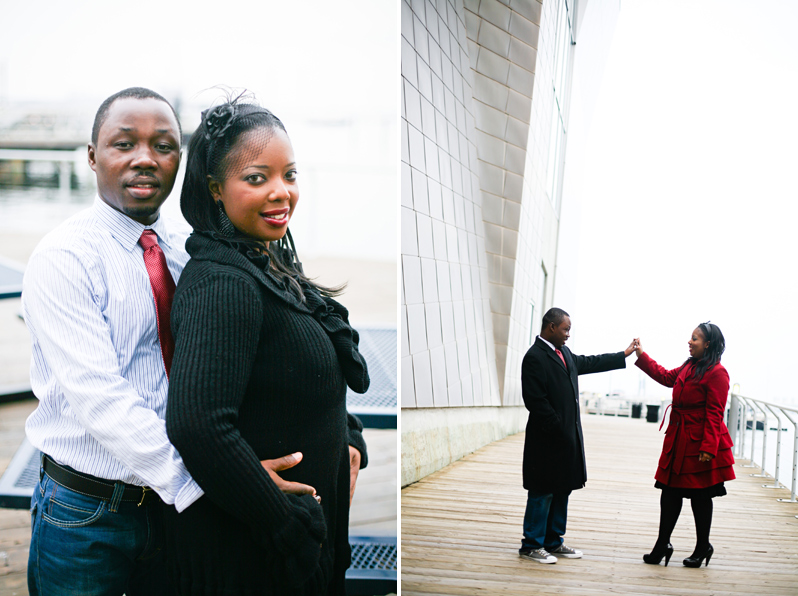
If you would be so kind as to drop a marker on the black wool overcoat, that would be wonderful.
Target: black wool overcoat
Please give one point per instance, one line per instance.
(554, 450)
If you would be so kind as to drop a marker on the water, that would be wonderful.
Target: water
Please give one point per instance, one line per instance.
(35, 209)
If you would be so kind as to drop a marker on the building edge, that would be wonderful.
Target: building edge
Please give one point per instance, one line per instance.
(433, 438)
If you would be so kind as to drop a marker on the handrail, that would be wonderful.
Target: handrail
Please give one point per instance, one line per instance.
(740, 407)
(767, 403)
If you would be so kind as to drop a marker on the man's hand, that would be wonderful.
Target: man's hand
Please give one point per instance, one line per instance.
(633, 347)
(703, 456)
(272, 466)
(354, 469)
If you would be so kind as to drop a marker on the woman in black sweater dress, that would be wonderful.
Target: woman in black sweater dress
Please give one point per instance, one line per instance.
(262, 361)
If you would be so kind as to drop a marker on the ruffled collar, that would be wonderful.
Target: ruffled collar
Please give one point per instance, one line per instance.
(331, 315)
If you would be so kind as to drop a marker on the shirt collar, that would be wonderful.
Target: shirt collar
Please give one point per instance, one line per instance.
(125, 230)
(548, 343)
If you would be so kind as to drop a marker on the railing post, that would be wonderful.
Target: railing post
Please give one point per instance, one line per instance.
(751, 463)
(778, 450)
(734, 421)
(792, 498)
(744, 421)
(765, 425)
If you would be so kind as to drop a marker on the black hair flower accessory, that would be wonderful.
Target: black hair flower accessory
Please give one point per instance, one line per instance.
(217, 120)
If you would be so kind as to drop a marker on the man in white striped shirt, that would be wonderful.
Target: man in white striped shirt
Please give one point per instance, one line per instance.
(100, 374)
(98, 370)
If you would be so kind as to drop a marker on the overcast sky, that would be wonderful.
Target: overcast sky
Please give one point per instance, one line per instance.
(689, 198)
(310, 55)
(329, 70)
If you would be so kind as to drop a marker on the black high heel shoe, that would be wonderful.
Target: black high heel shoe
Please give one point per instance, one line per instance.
(696, 558)
(656, 555)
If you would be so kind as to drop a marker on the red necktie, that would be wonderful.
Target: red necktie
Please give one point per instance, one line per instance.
(163, 291)
(561, 358)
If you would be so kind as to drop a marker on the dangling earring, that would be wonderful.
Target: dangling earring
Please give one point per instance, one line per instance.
(225, 225)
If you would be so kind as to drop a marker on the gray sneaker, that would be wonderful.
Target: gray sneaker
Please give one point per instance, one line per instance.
(541, 555)
(567, 552)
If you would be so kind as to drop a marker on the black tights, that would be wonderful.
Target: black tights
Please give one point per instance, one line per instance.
(670, 506)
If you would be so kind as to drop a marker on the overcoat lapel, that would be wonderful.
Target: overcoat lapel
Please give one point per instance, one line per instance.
(553, 355)
(572, 372)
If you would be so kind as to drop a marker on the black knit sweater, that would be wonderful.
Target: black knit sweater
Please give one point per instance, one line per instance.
(258, 374)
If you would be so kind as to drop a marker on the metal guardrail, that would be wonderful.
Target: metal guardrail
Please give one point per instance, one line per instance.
(744, 409)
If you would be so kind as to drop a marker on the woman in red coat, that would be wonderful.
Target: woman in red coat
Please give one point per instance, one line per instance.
(696, 454)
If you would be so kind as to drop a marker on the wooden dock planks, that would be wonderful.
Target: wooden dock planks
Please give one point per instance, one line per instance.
(461, 527)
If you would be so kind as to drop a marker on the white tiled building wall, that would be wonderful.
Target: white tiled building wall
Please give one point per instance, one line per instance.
(447, 349)
(538, 221)
(477, 223)
(481, 186)
(504, 51)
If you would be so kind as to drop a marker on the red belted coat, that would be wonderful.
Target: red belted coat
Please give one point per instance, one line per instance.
(696, 424)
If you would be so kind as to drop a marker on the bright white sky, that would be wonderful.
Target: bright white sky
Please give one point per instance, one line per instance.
(689, 202)
(313, 56)
(329, 70)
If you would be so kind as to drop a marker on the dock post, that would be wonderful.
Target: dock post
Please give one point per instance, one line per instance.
(64, 178)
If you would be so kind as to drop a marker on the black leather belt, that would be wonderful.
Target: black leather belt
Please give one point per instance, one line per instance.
(96, 487)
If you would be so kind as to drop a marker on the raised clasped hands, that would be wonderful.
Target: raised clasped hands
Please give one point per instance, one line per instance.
(272, 466)
(633, 347)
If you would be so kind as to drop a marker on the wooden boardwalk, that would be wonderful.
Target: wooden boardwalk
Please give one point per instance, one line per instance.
(461, 527)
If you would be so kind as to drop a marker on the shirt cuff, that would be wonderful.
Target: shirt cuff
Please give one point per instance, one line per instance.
(187, 495)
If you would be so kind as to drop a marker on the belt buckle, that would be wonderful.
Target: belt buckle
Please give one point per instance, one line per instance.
(144, 490)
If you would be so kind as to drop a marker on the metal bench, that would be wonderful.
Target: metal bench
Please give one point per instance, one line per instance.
(20, 478)
(374, 558)
(10, 279)
(377, 407)
(373, 569)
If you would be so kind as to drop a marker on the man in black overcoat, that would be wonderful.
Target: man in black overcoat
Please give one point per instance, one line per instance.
(554, 450)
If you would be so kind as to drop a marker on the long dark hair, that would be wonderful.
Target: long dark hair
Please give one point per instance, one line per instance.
(213, 152)
(711, 356)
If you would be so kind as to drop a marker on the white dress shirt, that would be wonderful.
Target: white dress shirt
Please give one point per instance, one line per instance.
(548, 343)
(97, 367)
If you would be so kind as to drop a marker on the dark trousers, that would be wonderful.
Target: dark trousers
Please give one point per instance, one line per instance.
(544, 520)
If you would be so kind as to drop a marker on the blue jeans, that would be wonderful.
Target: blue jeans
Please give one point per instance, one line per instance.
(84, 546)
(544, 520)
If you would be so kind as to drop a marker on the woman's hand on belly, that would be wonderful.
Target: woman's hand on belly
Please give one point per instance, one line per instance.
(272, 466)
